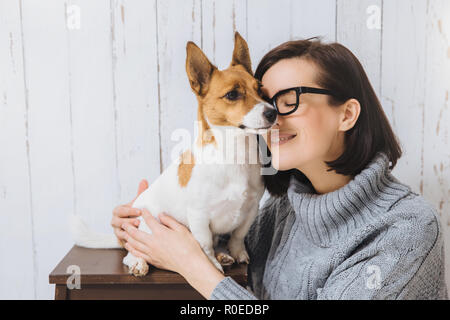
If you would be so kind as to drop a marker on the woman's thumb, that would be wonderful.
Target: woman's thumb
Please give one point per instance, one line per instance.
(143, 185)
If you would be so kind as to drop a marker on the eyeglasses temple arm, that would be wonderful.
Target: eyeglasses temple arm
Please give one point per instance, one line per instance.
(314, 90)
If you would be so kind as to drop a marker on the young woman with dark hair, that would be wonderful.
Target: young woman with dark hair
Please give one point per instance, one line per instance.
(337, 224)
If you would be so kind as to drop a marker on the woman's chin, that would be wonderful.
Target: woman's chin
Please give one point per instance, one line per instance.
(280, 166)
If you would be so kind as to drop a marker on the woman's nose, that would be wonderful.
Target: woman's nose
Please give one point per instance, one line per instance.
(279, 122)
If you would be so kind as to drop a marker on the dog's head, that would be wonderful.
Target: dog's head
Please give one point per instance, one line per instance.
(230, 97)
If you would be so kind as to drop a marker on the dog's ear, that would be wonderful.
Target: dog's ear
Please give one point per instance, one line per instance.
(241, 55)
(198, 68)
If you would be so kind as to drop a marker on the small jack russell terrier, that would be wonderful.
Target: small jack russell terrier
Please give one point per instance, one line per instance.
(215, 198)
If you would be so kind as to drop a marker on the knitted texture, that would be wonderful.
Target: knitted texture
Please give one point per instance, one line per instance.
(371, 239)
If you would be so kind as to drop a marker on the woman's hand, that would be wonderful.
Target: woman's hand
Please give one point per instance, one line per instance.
(170, 246)
(126, 214)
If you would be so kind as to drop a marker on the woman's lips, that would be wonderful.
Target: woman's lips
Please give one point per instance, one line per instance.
(281, 138)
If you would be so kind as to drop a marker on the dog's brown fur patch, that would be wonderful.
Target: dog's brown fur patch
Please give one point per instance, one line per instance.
(221, 111)
(187, 163)
(205, 135)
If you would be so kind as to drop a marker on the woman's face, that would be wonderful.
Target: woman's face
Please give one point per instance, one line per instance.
(314, 126)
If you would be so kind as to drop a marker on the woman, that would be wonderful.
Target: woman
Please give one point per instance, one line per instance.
(337, 225)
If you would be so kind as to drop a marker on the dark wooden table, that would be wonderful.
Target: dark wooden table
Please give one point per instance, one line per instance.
(103, 276)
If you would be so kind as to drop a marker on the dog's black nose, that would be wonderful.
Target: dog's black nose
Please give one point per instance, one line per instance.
(270, 115)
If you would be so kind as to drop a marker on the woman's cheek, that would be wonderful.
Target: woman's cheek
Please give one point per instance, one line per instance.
(294, 153)
(331, 142)
(322, 131)
(310, 140)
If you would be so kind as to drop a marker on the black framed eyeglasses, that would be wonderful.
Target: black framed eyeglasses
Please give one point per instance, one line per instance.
(286, 101)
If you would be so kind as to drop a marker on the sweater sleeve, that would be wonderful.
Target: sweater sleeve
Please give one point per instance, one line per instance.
(228, 289)
(407, 263)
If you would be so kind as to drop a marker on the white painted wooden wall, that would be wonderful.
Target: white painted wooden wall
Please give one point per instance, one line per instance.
(91, 90)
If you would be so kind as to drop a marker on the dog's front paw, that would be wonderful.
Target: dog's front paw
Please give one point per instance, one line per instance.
(140, 268)
(242, 256)
(224, 259)
(136, 266)
(238, 252)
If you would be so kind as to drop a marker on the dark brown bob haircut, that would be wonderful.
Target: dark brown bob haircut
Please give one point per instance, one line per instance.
(342, 73)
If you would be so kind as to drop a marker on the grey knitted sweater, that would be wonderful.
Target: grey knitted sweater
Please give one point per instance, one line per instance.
(371, 239)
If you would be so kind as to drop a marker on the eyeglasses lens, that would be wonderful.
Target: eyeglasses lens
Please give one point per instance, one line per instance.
(286, 101)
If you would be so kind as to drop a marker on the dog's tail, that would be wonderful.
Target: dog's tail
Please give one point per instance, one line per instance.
(85, 237)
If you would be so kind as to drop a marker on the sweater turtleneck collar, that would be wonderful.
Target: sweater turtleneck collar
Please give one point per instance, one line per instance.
(331, 216)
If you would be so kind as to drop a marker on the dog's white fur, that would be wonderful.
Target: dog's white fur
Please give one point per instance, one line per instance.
(218, 199)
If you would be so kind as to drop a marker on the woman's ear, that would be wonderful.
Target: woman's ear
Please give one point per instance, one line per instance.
(350, 113)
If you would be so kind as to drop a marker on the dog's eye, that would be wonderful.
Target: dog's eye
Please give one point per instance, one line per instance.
(232, 95)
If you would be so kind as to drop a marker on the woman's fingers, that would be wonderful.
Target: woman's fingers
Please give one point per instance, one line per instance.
(117, 222)
(135, 233)
(137, 253)
(143, 185)
(124, 211)
(136, 244)
(120, 234)
(170, 222)
(126, 214)
(151, 221)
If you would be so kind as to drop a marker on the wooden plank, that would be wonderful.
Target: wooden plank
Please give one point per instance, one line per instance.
(60, 292)
(403, 78)
(220, 19)
(268, 26)
(49, 127)
(312, 18)
(178, 23)
(436, 153)
(135, 71)
(94, 114)
(16, 244)
(104, 266)
(436, 121)
(359, 29)
(271, 23)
